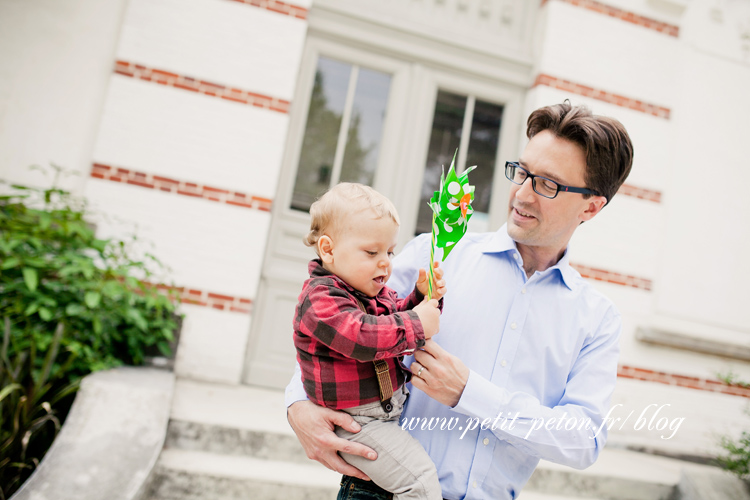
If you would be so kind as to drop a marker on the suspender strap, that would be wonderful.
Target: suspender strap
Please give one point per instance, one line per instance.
(384, 380)
(384, 377)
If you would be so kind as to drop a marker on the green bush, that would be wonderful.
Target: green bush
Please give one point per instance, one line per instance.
(70, 304)
(736, 458)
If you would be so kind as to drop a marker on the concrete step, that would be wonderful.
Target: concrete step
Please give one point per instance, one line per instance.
(198, 475)
(535, 495)
(233, 442)
(214, 438)
(617, 475)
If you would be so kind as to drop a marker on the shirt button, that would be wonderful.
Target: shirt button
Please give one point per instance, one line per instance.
(523, 290)
(486, 441)
(515, 255)
(503, 363)
(474, 484)
(513, 326)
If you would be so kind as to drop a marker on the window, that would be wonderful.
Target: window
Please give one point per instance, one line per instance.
(344, 129)
(481, 120)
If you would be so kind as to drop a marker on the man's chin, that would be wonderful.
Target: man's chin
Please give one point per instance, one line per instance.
(517, 233)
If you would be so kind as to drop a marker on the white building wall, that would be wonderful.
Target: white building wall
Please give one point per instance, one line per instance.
(55, 64)
(185, 135)
(156, 131)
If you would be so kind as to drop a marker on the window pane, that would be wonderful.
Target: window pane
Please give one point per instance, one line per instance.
(444, 140)
(365, 127)
(485, 135)
(321, 132)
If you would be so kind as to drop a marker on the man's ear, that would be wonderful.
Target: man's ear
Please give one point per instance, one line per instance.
(325, 249)
(594, 206)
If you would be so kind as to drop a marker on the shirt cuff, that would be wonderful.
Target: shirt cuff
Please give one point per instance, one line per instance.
(295, 391)
(414, 332)
(481, 398)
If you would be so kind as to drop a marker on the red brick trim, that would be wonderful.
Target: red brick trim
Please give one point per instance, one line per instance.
(174, 186)
(612, 277)
(701, 384)
(162, 77)
(218, 301)
(602, 95)
(278, 7)
(206, 299)
(624, 15)
(641, 193)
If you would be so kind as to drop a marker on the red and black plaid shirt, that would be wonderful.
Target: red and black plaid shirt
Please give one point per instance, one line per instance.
(337, 342)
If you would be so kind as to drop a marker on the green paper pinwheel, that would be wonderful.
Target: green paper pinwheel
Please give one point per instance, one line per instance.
(451, 211)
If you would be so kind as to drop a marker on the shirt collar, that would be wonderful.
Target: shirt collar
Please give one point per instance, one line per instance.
(501, 242)
(316, 270)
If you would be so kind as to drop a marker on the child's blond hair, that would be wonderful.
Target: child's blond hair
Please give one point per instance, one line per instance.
(345, 198)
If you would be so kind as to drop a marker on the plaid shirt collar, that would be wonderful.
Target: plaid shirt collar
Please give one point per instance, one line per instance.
(316, 270)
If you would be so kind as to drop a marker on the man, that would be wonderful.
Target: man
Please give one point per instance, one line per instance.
(526, 359)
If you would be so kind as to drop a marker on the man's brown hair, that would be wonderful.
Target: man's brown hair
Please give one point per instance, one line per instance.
(604, 140)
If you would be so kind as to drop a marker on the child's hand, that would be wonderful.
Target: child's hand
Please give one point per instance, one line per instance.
(423, 282)
(429, 315)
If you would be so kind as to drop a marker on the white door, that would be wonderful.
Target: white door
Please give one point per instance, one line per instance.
(388, 122)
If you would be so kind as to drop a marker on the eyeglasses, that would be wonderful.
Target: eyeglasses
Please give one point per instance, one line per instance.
(542, 186)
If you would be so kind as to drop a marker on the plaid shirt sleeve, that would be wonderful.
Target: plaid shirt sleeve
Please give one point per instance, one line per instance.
(333, 317)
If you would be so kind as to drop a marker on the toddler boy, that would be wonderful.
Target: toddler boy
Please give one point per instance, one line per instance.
(351, 333)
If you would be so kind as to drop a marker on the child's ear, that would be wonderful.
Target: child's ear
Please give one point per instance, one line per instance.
(325, 249)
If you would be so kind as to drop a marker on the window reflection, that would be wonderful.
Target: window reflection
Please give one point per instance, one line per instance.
(444, 140)
(365, 127)
(485, 136)
(323, 161)
(482, 145)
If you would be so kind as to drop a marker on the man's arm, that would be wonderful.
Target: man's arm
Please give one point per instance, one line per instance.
(537, 429)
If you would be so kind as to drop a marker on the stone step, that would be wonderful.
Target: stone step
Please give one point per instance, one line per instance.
(618, 474)
(198, 475)
(233, 442)
(196, 436)
(535, 495)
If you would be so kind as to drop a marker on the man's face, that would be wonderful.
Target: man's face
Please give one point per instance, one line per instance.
(543, 223)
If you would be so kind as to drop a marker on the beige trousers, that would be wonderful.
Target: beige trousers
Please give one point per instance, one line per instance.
(403, 467)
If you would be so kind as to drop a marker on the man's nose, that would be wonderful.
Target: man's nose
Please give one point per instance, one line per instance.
(526, 190)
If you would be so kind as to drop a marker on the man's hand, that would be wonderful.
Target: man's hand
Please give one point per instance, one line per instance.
(438, 373)
(423, 283)
(314, 425)
(429, 315)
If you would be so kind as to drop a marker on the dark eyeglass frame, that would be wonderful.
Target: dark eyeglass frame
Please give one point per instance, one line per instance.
(533, 177)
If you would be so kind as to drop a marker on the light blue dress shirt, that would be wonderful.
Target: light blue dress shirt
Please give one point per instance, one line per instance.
(542, 353)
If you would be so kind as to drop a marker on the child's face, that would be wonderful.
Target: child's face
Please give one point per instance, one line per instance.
(360, 252)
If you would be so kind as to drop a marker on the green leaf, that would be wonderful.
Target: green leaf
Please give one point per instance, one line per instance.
(34, 307)
(45, 219)
(8, 389)
(97, 323)
(75, 309)
(137, 318)
(164, 348)
(167, 333)
(11, 262)
(92, 299)
(31, 278)
(45, 313)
